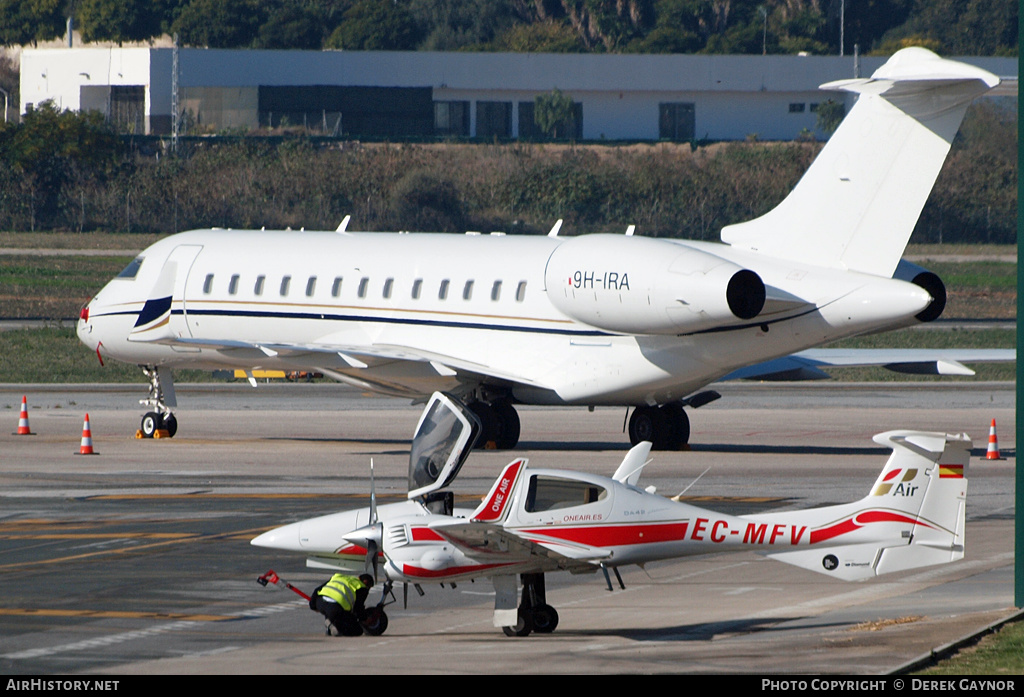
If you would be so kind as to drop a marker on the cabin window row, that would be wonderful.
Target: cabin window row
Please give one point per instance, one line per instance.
(363, 287)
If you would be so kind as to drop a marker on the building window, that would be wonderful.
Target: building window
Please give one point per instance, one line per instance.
(258, 288)
(494, 119)
(570, 129)
(285, 282)
(797, 107)
(336, 288)
(310, 286)
(451, 118)
(676, 121)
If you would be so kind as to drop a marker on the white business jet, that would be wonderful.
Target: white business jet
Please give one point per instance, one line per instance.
(535, 521)
(591, 320)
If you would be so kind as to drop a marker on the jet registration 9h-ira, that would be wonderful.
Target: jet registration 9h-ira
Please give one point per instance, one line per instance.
(535, 521)
(594, 320)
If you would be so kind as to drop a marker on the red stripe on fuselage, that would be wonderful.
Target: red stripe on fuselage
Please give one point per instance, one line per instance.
(615, 535)
(860, 520)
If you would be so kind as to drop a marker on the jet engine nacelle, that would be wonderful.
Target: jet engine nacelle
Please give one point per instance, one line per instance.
(638, 285)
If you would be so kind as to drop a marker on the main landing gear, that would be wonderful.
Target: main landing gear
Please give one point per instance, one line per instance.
(667, 427)
(535, 615)
(500, 423)
(161, 399)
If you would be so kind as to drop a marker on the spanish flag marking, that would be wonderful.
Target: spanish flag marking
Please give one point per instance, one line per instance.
(951, 471)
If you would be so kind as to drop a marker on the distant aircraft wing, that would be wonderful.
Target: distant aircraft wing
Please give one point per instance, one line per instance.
(488, 541)
(810, 364)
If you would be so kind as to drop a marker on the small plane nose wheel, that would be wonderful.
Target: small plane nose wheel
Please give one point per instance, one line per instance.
(376, 621)
(523, 626)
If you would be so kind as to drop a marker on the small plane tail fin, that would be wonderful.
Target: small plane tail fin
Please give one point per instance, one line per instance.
(857, 204)
(495, 506)
(913, 516)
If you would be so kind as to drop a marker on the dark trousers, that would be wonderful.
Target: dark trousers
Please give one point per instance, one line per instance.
(344, 620)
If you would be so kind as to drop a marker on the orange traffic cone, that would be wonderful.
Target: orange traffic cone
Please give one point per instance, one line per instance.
(23, 429)
(86, 448)
(993, 443)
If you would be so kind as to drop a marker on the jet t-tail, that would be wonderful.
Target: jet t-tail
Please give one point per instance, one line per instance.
(537, 521)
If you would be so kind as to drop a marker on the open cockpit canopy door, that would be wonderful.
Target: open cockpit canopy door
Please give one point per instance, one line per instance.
(444, 437)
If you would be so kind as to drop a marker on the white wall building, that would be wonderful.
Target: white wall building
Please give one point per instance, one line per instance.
(429, 94)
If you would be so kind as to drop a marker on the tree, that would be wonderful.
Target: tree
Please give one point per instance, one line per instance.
(29, 21)
(118, 20)
(830, 114)
(553, 113)
(219, 23)
(375, 25)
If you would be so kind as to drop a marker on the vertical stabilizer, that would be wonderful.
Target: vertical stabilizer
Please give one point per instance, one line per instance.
(857, 204)
(913, 516)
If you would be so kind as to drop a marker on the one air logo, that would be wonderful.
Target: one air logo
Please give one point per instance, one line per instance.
(898, 483)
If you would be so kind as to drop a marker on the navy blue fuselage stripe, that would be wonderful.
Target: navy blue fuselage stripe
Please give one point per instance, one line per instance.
(387, 320)
(153, 309)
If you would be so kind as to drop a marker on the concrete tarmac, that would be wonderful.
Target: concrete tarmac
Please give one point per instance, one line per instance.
(135, 561)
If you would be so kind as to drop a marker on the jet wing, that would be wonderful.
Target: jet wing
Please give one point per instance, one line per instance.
(360, 357)
(488, 541)
(808, 365)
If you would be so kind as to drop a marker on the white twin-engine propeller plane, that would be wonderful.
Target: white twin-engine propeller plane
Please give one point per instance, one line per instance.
(535, 521)
(595, 320)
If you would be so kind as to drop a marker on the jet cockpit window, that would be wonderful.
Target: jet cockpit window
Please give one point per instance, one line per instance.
(131, 271)
(552, 493)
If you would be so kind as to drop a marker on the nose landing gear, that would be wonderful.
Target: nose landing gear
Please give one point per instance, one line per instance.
(160, 421)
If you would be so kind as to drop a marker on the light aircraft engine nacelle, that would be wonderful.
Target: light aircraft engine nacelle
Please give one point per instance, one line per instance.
(638, 285)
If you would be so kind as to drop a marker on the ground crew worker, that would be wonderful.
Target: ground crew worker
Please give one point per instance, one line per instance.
(342, 603)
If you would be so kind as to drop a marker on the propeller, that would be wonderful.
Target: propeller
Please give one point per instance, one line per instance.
(370, 536)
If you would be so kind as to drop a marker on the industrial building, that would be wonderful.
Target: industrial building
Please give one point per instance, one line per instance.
(423, 95)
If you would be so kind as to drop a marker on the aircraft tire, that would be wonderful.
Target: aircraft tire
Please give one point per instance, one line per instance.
(508, 425)
(150, 424)
(545, 619)
(648, 423)
(523, 626)
(376, 622)
(170, 424)
(678, 426)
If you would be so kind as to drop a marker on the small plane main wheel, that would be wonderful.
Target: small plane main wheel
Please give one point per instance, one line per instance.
(170, 424)
(376, 622)
(545, 619)
(523, 626)
(150, 423)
